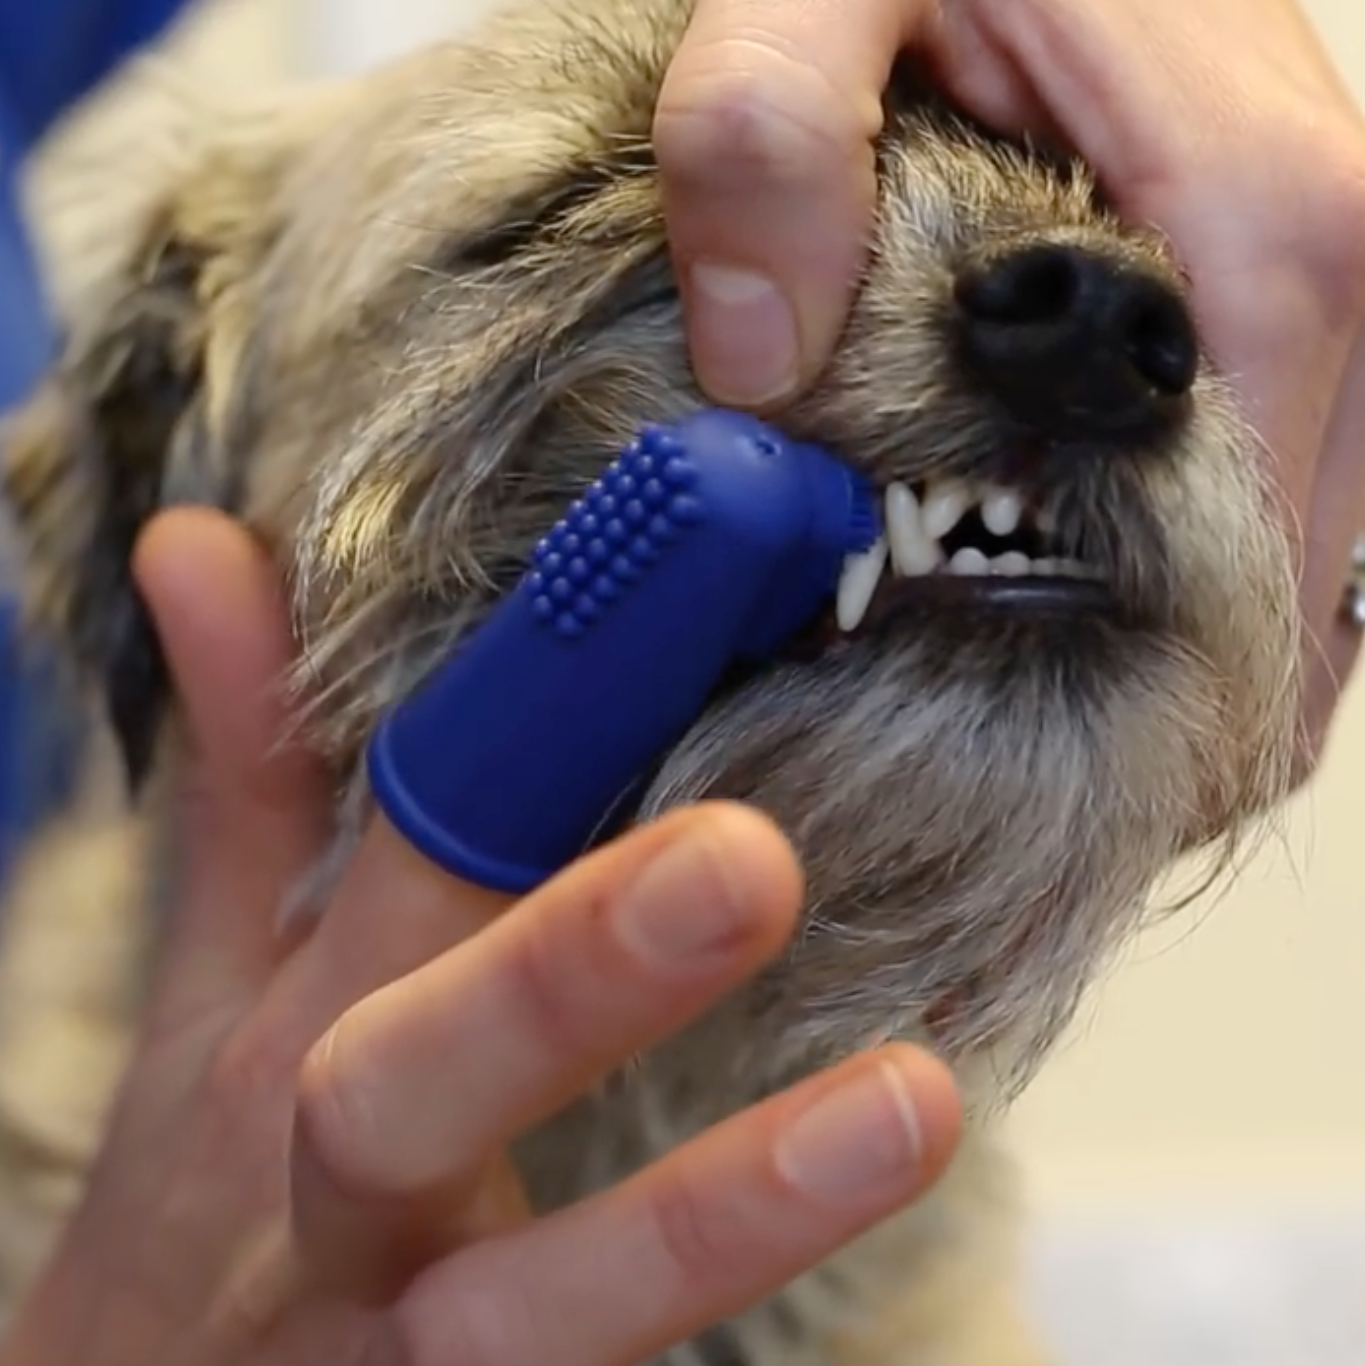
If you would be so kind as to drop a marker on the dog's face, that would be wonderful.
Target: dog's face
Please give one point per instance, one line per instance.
(399, 325)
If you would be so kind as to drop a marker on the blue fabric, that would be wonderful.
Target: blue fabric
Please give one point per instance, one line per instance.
(52, 52)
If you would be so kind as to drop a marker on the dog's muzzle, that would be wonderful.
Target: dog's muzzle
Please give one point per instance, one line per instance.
(1354, 602)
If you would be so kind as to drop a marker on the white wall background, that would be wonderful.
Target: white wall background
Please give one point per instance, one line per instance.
(1197, 1149)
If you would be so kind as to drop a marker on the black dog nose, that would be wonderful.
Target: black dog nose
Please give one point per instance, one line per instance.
(1076, 344)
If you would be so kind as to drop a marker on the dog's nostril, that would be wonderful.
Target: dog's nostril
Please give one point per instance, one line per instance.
(1161, 343)
(1076, 343)
(1025, 289)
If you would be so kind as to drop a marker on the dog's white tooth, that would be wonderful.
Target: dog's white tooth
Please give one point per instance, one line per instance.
(1001, 511)
(857, 584)
(913, 554)
(968, 561)
(1046, 569)
(945, 502)
(1013, 564)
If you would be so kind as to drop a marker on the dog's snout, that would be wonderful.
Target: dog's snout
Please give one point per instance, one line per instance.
(1076, 343)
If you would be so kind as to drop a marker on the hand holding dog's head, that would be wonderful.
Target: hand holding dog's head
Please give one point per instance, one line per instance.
(398, 325)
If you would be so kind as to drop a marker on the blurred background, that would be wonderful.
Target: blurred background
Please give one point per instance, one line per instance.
(1195, 1153)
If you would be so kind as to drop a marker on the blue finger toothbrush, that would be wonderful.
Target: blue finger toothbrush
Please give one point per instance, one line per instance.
(707, 543)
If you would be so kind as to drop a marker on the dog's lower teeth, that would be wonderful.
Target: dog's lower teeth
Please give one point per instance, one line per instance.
(910, 546)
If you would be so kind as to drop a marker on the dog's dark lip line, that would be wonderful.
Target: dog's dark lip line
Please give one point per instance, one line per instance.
(1040, 590)
(918, 601)
(1055, 595)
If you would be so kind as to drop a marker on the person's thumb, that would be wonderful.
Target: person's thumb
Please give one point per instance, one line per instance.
(251, 805)
(764, 136)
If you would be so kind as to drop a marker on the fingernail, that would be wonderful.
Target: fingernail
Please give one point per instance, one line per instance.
(743, 336)
(855, 1141)
(681, 905)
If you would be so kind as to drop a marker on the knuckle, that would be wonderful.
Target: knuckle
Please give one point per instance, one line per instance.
(1346, 211)
(251, 1071)
(219, 788)
(720, 121)
(335, 1113)
(475, 1320)
(695, 1236)
(547, 978)
(1330, 214)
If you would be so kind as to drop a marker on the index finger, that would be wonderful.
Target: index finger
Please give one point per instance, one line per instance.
(764, 135)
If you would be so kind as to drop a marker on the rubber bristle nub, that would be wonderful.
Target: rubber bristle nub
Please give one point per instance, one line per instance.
(865, 523)
(613, 534)
(706, 545)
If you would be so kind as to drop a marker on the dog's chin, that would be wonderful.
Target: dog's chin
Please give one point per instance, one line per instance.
(981, 787)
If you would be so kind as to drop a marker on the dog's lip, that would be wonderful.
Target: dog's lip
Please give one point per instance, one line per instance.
(1041, 592)
(917, 603)
(905, 600)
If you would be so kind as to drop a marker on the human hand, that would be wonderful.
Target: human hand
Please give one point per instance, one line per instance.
(1222, 124)
(308, 1163)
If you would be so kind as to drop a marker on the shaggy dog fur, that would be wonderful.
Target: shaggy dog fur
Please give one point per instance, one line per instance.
(395, 325)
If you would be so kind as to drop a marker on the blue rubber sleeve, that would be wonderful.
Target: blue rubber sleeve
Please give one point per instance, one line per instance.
(705, 544)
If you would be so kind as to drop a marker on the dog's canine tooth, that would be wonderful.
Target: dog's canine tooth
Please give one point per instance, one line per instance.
(945, 504)
(857, 583)
(913, 553)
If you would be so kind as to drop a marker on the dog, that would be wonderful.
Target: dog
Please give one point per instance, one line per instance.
(397, 323)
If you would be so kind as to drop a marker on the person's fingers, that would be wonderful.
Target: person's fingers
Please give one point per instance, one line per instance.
(1165, 113)
(983, 77)
(253, 807)
(407, 1095)
(1331, 658)
(764, 134)
(1336, 520)
(702, 1234)
(392, 911)
(1331, 649)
